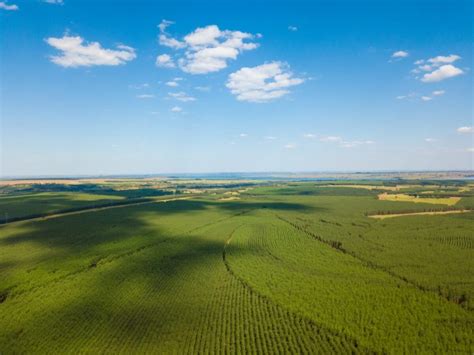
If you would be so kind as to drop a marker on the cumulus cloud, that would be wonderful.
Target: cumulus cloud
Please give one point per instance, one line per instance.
(176, 109)
(5, 6)
(290, 146)
(145, 96)
(292, 28)
(164, 61)
(262, 83)
(437, 68)
(438, 92)
(309, 135)
(54, 2)
(426, 98)
(443, 72)
(430, 140)
(75, 52)
(207, 49)
(243, 135)
(466, 129)
(400, 54)
(181, 96)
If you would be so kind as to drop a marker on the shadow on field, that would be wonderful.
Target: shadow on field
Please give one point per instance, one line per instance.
(67, 232)
(137, 278)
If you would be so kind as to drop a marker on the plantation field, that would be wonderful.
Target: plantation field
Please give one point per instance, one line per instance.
(22, 205)
(285, 267)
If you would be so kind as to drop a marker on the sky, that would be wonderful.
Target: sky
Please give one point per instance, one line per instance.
(144, 87)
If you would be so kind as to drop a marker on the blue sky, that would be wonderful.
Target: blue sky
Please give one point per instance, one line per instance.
(132, 87)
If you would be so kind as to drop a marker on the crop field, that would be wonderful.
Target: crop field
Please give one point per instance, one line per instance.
(449, 201)
(275, 267)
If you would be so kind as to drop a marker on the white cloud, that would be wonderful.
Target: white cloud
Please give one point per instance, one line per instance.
(54, 2)
(430, 140)
(262, 83)
(292, 28)
(270, 138)
(466, 129)
(443, 72)
(438, 92)
(400, 54)
(401, 97)
(5, 6)
(343, 143)
(164, 61)
(176, 109)
(290, 146)
(207, 49)
(470, 150)
(309, 135)
(181, 96)
(444, 59)
(352, 144)
(426, 98)
(437, 68)
(164, 24)
(172, 83)
(76, 53)
(139, 86)
(243, 135)
(165, 39)
(145, 96)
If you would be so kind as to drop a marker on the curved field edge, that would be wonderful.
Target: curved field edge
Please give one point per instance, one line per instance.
(320, 339)
(345, 295)
(172, 295)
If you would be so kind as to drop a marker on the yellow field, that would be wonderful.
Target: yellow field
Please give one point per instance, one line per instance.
(384, 216)
(449, 201)
(365, 187)
(373, 187)
(231, 198)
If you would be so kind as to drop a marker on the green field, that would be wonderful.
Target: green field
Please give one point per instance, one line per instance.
(286, 268)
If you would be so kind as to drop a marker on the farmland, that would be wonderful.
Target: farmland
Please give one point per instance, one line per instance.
(189, 266)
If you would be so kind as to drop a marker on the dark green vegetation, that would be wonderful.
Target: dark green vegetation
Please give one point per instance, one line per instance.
(294, 267)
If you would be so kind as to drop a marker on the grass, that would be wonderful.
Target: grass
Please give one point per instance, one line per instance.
(294, 268)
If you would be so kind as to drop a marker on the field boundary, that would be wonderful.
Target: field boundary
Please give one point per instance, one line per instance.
(313, 324)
